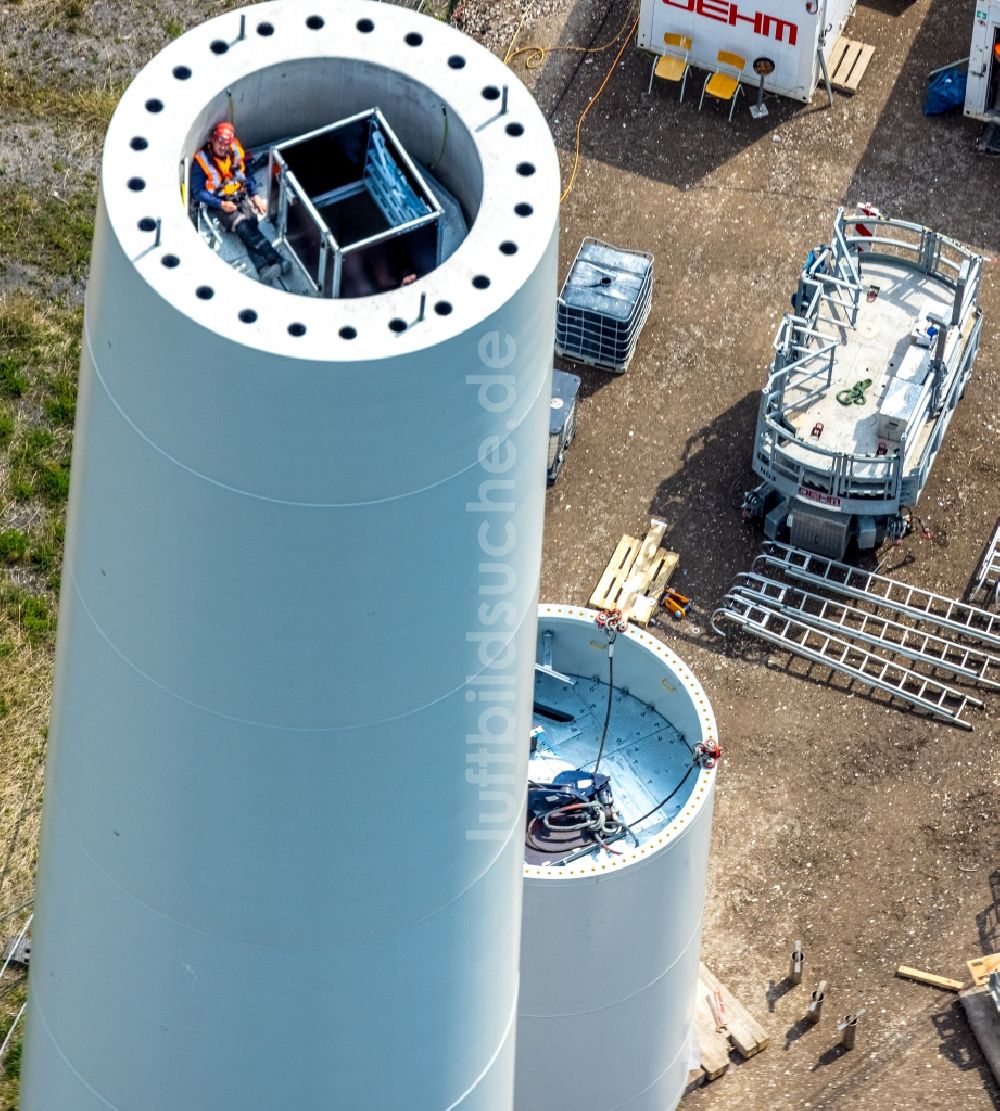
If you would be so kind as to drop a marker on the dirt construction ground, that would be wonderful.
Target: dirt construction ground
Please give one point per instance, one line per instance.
(870, 833)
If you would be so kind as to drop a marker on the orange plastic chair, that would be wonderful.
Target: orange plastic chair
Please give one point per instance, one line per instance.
(672, 64)
(724, 83)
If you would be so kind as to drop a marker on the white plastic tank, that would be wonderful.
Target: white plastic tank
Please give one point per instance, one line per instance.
(282, 839)
(611, 937)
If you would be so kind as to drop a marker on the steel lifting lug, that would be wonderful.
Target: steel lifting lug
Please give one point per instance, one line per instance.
(612, 621)
(708, 753)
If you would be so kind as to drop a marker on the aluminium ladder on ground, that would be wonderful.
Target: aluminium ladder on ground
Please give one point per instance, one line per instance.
(922, 605)
(928, 649)
(794, 636)
(988, 573)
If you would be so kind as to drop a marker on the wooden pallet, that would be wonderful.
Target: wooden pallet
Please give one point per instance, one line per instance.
(713, 1045)
(742, 1032)
(847, 65)
(636, 576)
(981, 967)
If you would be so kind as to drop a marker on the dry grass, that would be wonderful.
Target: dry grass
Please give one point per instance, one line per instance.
(45, 13)
(25, 684)
(39, 351)
(89, 106)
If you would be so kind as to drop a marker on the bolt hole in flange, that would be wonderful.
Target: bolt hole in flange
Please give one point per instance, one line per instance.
(365, 26)
(264, 29)
(480, 281)
(443, 308)
(315, 22)
(397, 325)
(138, 142)
(147, 223)
(523, 209)
(154, 105)
(204, 293)
(491, 92)
(525, 169)
(171, 262)
(515, 129)
(508, 248)
(347, 332)
(136, 184)
(296, 330)
(414, 38)
(218, 46)
(456, 61)
(182, 73)
(248, 316)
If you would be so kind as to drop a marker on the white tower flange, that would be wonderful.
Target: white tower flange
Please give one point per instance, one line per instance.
(281, 856)
(610, 942)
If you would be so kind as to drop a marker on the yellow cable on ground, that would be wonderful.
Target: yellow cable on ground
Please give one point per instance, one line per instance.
(536, 54)
(593, 100)
(517, 30)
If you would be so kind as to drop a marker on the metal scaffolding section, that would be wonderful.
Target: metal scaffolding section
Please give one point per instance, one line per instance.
(801, 639)
(877, 590)
(987, 580)
(353, 211)
(928, 649)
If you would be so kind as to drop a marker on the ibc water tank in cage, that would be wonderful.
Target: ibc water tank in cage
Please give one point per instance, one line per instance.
(603, 305)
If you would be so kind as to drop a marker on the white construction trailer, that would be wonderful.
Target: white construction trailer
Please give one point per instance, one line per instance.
(795, 36)
(982, 90)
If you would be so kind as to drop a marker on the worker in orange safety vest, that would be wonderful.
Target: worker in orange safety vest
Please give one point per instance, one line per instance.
(222, 180)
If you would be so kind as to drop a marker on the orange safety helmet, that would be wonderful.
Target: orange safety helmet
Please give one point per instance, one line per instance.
(224, 131)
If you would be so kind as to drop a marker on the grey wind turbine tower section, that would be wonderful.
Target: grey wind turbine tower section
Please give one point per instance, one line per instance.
(299, 608)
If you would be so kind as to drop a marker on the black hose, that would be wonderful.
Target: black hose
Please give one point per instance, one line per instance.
(660, 805)
(611, 692)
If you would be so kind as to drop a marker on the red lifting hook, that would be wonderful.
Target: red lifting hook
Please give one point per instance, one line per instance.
(709, 753)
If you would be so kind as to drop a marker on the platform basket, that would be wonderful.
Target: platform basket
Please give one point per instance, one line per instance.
(603, 305)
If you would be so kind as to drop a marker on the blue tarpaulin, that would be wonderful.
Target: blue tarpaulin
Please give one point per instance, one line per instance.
(945, 92)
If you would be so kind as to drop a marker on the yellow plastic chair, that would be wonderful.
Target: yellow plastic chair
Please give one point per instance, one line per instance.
(724, 83)
(672, 64)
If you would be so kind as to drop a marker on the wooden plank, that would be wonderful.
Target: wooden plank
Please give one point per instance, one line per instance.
(713, 1047)
(616, 591)
(837, 56)
(859, 69)
(696, 1079)
(647, 602)
(929, 978)
(623, 557)
(981, 967)
(650, 544)
(843, 53)
(745, 1032)
(642, 569)
(982, 1014)
(666, 566)
(643, 608)
(849, 60)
